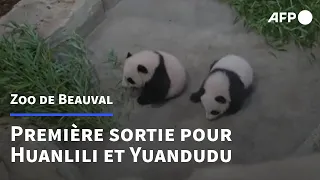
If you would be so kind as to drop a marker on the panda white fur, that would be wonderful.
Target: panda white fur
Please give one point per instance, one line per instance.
(225, 89)
(160, 75)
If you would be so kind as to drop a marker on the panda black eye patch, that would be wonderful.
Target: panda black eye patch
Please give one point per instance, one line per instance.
(130, 81)
(213, 112)
(142, 69)
(220, 99)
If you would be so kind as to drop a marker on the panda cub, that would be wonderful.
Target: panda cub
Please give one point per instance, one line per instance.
(225, 89)
(158, 74)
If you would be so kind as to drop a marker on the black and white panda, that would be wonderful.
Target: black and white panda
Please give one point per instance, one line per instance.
(160, 76)
(225, 89)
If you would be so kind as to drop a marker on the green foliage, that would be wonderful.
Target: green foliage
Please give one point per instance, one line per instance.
(30, 66)
(256, 14)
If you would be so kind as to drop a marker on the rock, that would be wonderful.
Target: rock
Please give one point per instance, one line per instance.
(57, 18)
(294, 169)
(130, 178)
(108, 4)
(311, 144)
(3, 171)
(31, 171)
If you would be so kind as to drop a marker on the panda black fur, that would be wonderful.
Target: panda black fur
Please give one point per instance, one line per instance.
(159, 75)
(225, 89)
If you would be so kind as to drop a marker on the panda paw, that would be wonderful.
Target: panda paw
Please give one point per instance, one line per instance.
(194, 98)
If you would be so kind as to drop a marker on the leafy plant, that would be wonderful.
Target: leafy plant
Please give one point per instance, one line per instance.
(31, 67)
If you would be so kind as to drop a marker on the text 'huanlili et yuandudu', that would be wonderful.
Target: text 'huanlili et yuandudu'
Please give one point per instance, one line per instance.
(138, 154)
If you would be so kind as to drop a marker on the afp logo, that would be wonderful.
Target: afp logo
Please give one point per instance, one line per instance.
(304, 17)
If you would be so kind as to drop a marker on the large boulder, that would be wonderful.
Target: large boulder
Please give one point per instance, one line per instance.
(30, 171)
(298, 168)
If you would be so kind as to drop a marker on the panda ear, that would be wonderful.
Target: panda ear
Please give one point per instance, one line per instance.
(196, 96)
(129, 54)
(142, 69)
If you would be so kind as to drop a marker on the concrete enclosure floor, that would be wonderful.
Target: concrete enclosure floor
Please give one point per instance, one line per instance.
(282, 112)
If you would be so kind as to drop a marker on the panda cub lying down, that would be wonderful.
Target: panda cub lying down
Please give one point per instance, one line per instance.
(226, 87)
(159, 75)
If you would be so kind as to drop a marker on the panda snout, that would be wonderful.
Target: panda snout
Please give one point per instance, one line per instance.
(212, 117)
(209, 117)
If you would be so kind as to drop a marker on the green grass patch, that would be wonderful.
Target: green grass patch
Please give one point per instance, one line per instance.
(30, 66)
(255, 15)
